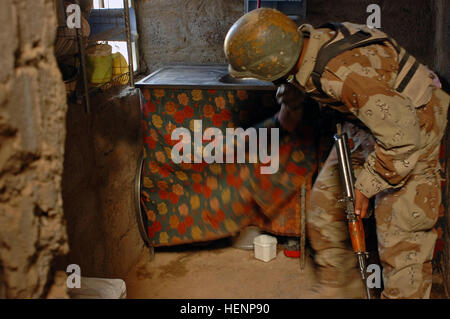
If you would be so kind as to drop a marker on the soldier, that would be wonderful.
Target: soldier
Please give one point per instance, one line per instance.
(397, 116)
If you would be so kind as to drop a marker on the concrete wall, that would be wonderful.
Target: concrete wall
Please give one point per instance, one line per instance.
(173, 31)
(442, 37)
(443, 67)
(411, 23)
(193, 31)
(32, 132)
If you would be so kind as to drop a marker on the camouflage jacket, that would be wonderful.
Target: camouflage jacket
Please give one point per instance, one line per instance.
(361, 82)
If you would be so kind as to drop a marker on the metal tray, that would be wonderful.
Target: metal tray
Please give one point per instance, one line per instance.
(200, 77)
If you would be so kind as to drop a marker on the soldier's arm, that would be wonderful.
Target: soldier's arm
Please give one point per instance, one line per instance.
(390, 117)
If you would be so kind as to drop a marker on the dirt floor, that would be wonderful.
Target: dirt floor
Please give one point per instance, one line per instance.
(218, 270)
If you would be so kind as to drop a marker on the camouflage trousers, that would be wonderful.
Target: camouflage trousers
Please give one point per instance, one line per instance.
(405, 218)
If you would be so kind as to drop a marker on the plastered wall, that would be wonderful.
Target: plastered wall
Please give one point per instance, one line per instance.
(32, 133)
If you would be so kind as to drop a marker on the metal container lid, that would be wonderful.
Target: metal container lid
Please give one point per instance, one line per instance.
(214, 76)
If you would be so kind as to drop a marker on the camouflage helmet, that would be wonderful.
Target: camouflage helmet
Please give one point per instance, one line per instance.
(264, 44)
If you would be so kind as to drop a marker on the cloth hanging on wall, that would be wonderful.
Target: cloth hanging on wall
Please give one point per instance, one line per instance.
(191, 202)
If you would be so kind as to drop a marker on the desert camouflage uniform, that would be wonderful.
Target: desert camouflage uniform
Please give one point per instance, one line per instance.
(396, 159)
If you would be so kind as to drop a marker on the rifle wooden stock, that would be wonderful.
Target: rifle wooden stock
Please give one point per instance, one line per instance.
(357, 236)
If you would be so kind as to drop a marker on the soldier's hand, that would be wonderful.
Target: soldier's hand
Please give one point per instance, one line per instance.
(288, 118)
(289, 96)
(361, 203)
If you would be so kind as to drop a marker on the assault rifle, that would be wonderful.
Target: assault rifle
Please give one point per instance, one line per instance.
(355, 226)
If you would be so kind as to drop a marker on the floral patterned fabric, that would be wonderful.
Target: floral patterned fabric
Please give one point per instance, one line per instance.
(186, 202)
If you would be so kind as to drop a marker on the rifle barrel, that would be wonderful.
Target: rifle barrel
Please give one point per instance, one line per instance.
(356, 229)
